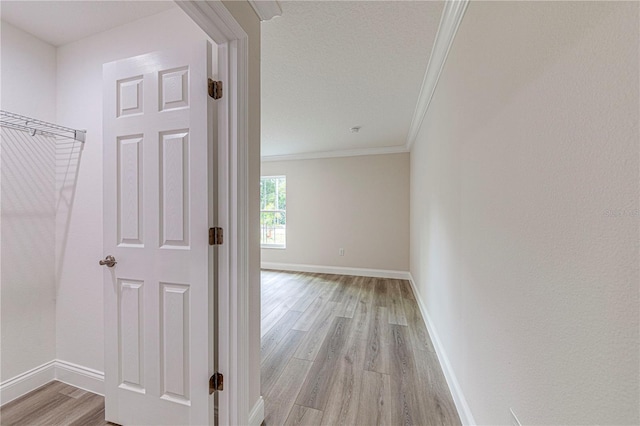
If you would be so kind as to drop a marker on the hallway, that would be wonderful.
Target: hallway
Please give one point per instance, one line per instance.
(347, 350)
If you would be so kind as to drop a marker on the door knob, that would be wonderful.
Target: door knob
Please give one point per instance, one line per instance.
(110, 261)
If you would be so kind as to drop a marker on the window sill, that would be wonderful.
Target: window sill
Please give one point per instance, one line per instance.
(273, 246)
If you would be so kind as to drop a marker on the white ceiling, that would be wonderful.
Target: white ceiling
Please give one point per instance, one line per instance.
(62, 22)
(329, 66)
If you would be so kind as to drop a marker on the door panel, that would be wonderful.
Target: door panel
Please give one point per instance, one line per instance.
(158, 181)
(130, 333)
(174, 189)
(130, 196)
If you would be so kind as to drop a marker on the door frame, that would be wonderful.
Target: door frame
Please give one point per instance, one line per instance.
(233, 204)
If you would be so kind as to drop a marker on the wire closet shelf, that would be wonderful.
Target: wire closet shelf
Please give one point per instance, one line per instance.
(38, 127)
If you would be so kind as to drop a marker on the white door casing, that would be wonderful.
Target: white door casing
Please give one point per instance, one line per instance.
(234, 406)
(158, 205)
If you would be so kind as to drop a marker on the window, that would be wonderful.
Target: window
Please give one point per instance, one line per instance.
(273, 211)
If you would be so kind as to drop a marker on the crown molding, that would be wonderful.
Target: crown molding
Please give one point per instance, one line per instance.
(266, 9)
(337, 153)
(449, 22)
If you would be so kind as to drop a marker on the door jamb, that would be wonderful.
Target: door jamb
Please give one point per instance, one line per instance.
(233, 205)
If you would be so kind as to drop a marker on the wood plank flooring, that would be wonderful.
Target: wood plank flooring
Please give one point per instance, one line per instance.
(340, 350)
(55, 403)
(335, 350)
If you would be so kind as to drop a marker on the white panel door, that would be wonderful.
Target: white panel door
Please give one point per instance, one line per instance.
(158, 183)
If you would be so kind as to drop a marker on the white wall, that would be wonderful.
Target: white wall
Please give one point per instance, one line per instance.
(524, 211)
(79, 231)
(27, 286)
(359, 203)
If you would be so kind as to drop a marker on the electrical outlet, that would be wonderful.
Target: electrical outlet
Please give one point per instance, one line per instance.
(341, 252)
(513, 419)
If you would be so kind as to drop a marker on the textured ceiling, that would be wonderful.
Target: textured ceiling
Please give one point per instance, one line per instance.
(62, 22)
(329, 66)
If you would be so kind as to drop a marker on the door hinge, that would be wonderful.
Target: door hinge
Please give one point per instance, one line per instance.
(215, 236)
(216, 383)
(215, 89)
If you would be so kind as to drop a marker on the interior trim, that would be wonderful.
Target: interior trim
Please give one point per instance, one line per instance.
(79, 376)
(337, 153)
(449, 23)
(266, 9)
(466, 417)
(256, 416)
(24, 383)
(72, 374)
(337, 270)
(233, 204)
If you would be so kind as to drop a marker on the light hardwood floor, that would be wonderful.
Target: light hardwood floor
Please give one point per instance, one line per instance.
(339, 350)
(336, 350)
(55, 403)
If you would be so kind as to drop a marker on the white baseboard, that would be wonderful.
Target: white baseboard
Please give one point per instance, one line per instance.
(338, 270)
(256, 416)
(466, 417)
(76, 375)
(26, 382)
(81, 377)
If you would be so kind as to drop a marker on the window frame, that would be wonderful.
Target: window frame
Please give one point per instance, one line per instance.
(284, 211)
